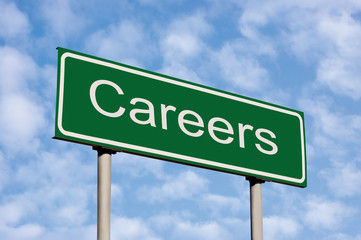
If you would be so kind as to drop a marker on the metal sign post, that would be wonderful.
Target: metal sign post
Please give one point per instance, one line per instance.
(104, 193)
(255, 185)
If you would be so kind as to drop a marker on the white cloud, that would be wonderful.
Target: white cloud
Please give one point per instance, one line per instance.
(207, 230)
(326, 214)
(22, 116)
(334, 135)
(48, 84)
(57, 206)
(342, 32)
(343, 179)
(184, 38)
(182, 71)
(177, 228)
(11, 213)
(70, 232)
(34, 231)
(340, 68)
(184, 186)
(72, 214)
(183, 46)
(56, 183)
(219, 204)
(330, 123)
(276, 227)
(56, 169)
(185, 49)
(22, 232)
(342, 236)
(21, 121)
(16, 70)
(341, 75)
(62, 19)
(186, 45)
(116, 192)
(4, 172)
(131, 229)
(137, 166)
(124, 42)
(292, 13)
(324, 33)
(13, 22)
(241, 70)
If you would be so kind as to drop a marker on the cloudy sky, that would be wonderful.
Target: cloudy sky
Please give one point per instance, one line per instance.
(304, 55)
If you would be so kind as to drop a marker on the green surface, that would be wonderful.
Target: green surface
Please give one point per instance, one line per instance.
(78, 120)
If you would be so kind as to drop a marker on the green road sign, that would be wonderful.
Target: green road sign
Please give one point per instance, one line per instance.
(104, 103)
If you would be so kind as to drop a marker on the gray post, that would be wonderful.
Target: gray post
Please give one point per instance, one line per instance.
(256, 208)
(104, 193)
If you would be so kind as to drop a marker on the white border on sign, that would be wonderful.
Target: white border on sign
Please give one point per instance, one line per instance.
(170, 154)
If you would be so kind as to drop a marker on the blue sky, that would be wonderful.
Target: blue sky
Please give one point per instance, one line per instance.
(304, 55)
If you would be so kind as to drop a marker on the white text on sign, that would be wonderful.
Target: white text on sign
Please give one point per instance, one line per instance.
(262, 134)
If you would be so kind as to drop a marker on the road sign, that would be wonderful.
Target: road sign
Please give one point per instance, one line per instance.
(108, 104)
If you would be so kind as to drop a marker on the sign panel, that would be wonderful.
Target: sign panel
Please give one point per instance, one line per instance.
(108, 104)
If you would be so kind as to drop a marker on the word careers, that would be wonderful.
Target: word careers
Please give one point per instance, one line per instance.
(185, 118)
